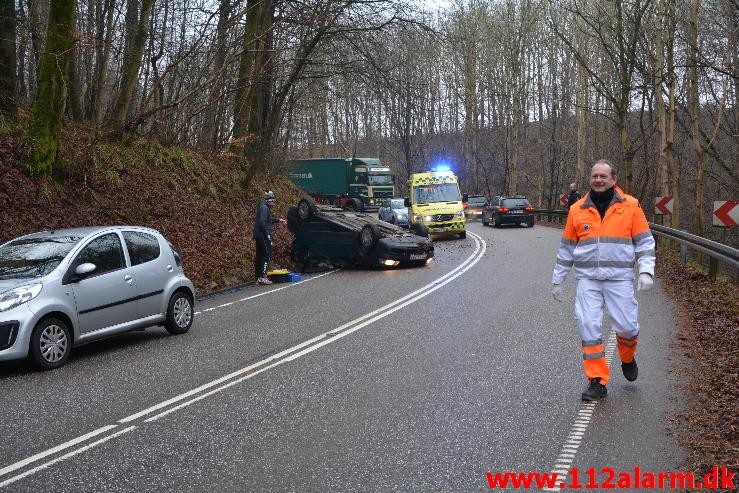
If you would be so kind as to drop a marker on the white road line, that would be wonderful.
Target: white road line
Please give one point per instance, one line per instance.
(337, 333)
(232, 378)
(264, 293)
(65, 456)
(577, 430)
(46, 453)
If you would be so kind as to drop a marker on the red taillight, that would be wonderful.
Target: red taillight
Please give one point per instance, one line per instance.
(529, 209)
(503, 209)
(464, 206)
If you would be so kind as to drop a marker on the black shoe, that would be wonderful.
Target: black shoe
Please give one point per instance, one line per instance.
(595, 391)
(631, 371)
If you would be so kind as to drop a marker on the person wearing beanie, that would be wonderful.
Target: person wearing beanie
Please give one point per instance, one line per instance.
(262, 235)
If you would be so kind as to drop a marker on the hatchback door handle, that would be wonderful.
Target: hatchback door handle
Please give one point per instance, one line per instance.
(128, 279)
(169, 268)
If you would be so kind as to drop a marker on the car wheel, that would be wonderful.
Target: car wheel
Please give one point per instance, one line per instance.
(179, 314)
(463, 235)
(306, 209)
(368, 238)
(497, 222)
(292, 220)
(51, 343)
(420, 230)
(530, 224)
(484, 222)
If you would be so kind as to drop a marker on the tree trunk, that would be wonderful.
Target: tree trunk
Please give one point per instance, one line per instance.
(73, 87)
(48, 108)
(694, 109)
(102, 71)
(246, 80)
(8, 63)
(131, 66)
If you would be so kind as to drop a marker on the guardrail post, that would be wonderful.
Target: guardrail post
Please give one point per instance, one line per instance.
(683, 253)
(712, 268)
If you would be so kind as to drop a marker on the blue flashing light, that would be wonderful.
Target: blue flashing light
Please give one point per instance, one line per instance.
(441, 166)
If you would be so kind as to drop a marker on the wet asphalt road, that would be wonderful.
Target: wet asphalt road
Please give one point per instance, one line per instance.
(475, 373)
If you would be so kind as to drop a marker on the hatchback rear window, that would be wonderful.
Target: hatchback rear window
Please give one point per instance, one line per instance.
(34, 257)
(142, 247)
(477, 200)
(515, 203)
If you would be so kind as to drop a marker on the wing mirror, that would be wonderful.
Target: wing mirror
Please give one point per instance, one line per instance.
(407, 202)
(83, 269)
(465, 198)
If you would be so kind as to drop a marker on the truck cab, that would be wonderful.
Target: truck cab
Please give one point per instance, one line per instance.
(435, 202)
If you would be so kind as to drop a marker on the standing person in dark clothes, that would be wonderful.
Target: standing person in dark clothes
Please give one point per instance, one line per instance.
(574, 196)
(263, 237)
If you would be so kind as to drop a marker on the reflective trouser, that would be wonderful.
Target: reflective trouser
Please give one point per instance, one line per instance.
(618, 296)
(262, 257)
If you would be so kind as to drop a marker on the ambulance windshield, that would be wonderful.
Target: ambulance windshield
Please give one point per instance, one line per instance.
(437, 192)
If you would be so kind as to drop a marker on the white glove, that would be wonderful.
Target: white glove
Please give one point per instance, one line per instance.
(557, 292)
(269, 238)
(645, 282)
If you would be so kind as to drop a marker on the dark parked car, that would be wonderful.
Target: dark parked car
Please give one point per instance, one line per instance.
(474, 206)
(509, 210)
(327, 236)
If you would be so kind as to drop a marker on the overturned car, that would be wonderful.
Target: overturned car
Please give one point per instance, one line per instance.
(327, 236)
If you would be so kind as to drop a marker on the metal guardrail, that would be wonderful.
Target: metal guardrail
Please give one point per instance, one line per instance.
(718, 252)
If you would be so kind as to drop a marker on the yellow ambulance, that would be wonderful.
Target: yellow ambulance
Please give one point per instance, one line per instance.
(435, 202)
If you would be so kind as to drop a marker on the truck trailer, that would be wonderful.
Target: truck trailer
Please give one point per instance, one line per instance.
(356, 183)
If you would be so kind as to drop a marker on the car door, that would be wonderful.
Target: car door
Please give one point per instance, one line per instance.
(151, 269)
(384, 211)
(107, 295)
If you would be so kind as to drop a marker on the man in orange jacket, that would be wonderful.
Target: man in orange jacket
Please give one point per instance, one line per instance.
(605, 235)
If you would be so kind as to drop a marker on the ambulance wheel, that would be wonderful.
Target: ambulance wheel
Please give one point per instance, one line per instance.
(368, 238)
(306, 209)
(463, 235)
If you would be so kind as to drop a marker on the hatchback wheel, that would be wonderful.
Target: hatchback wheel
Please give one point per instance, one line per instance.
(51, 343)
(179, 314)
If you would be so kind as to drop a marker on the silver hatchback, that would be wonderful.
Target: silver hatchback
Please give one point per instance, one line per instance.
(63, 288)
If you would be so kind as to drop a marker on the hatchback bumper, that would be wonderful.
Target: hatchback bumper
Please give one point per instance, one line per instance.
(15, 332)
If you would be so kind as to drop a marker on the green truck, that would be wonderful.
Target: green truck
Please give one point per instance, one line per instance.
(356, 183)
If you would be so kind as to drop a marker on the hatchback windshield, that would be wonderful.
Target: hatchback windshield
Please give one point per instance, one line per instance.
(397, 204)
(442, 192)
(34, 257)
(515, 203)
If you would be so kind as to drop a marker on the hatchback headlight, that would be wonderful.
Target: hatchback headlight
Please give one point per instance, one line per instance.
(400, 215)
(460, 214)
(18, 296)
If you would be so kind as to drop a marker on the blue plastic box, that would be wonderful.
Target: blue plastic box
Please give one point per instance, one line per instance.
(294, 277)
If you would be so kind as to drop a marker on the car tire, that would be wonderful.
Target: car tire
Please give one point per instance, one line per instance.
(530, 224)
(497, 222)
(292, 220)
(51, 344)
(306, 209)
(179, 313)
(463, 235)
(484, 222)
(369, 235)
(420, 230)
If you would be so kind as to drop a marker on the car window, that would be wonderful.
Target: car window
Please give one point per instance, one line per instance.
(397, 204)
(515, 203)
(34, 257)
(142, 247)
(476, 200)
(105, 252)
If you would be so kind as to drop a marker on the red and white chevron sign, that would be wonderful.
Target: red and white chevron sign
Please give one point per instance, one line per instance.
(726, 213)
(663, 206)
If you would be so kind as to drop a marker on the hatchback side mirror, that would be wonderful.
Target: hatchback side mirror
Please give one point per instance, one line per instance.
(465, 197)
(83, 269)
(407, 202)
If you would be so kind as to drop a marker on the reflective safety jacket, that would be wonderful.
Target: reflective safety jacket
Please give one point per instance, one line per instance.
(605, 249)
